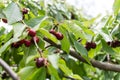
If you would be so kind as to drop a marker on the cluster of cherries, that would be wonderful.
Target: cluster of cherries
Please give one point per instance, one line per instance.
(58, 35)
(114, 44)
(26, 42)
(90, 45)
(24, 11)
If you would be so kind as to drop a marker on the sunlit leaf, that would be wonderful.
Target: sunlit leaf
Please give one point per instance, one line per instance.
(13, 13)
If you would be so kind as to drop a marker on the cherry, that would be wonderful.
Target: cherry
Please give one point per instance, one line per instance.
(15, 45)
(4, 20)
(52, 31)
(90, 45)
(24, 11)
(21, 41)
(35, 38)
(115, 43)
(59, 35)
(4, 75)
(31, 32)
(93, 45)
(40, 62)
(27, 43)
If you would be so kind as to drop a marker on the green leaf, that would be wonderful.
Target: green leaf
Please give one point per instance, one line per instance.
(28, 51)
(26, 72)
(48, 35)
(74, 28)
(77, 68)
(2, 30)
(64, 68)
(41, 43)
(54, 60)
(107, 48)
(72, 38)
(18, 29)
(115, 30)
(39, 74)
(34, 21)
(53, 72)
(13, 13)
(5, 46)
(81, 50)
(116, 6)
(65, 44)
(77, 77)
(117, 77)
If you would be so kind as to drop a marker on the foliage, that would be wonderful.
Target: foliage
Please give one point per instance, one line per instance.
(75, 30)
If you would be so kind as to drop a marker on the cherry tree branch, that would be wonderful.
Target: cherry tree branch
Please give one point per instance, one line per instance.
(95, 63)
(9, 70)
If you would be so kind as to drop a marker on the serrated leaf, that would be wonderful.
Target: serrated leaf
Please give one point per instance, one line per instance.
(26, 72)
(39, 74)
(18, 29)
(116, 6)
(75, 76)
(35, 21)
(53, 72)
(107, 48)
(48, 35)
(64, 68)
(28, 51)
(5, 46)
(13, 13)
(65, 44)
(72, 38)
(2, 30)
(81, 50)
(54, 60)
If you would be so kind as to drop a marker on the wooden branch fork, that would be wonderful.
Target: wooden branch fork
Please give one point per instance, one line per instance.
(101, 65)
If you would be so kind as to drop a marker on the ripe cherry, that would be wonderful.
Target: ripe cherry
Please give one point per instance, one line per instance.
(93, 45)
(15, 45)
(35, 38)
(31, 32)
(4, 20)
(40, 62)
(24, 10)
(90, 45)
(59, 35)
(4, 75)
(21, 41)
(52, 31)
(27, 43)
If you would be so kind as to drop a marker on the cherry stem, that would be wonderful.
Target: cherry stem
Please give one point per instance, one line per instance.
(38, 48)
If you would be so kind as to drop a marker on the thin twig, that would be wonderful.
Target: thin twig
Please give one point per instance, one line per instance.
(40, 52)
(9, 70)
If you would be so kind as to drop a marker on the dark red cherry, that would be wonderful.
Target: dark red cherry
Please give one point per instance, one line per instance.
(35, 38)
(52, 31)
(31, 32)
(21, 41)
(24, 10)
(93, 45)
(59, 35)
(40, 62)
(4, 20)
(27, 43)
(15, 45)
